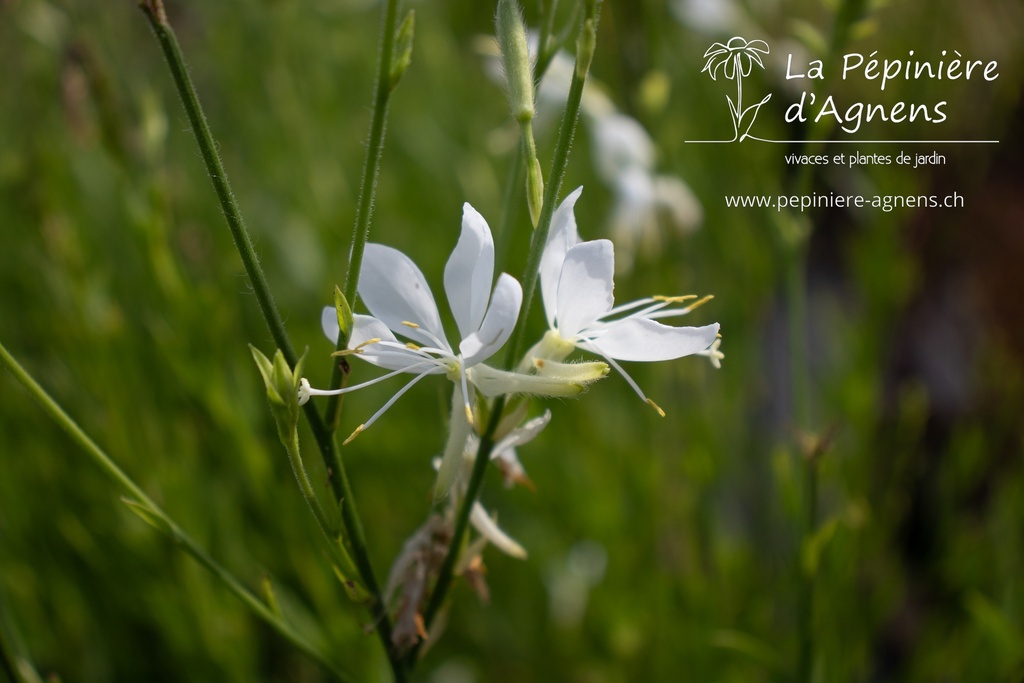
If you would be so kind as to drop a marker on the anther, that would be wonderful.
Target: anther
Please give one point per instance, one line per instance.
(656, 407)
(358, 349)
(703, 301)
(356, 433)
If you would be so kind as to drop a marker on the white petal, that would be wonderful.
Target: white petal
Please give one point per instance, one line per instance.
(520, 435)
(621, 142)
(395, 291)
(562, 236)
(498, 323)
(459, 430)
(585, 286)
(641, 339)
(467, 276)
(489, 529)
(366, 328)
(329, 323)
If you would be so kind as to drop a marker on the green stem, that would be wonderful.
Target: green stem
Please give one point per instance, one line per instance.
(156, 515)
(553, 186)
(563, 145)
(367, 191)
(291, 446)
(338, 478)
(796, 291)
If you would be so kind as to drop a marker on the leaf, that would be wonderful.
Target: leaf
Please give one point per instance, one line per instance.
(270, 597)
(344, 311)
(148, 515)
(758, 650)
(814, 546)
(996, 627)
(355, 591)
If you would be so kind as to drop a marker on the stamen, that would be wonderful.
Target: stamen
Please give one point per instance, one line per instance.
(413, 347)
(465, 394)
(622, 308)
(656, 407)
(358, 349)
(353, 435)
(696, 304)
(398, 395)
(345, 390)
(443, 346)
(681, 311)
(674, 299)
(625, 375)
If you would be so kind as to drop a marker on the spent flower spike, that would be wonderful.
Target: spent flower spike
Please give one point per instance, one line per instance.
(576, 280)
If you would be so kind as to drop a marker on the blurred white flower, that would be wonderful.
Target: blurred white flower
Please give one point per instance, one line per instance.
(625, 160)
(624, 155)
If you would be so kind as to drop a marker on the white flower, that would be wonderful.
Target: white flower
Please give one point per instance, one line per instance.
(576, 280)
(624, 157)
(400, 301)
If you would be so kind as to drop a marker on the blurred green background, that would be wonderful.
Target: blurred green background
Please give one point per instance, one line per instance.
(660, 549)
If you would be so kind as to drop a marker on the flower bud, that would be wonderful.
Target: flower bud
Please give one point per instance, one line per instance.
(515, 57)
(403, 49)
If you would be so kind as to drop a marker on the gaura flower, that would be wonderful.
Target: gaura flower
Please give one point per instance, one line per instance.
(400, 301)
(576, 280)
(738, 54)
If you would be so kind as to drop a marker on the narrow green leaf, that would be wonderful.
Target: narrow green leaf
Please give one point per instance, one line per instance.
(148, 515)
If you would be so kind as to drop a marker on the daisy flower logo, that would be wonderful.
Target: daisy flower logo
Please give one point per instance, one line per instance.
(735, 60)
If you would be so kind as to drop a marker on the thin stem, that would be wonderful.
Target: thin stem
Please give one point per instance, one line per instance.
(367, 191)
(153, 9)
(336, 475)
(847, 15)
(563, 145)
(291, 445)
(796, 291)
(156, 516)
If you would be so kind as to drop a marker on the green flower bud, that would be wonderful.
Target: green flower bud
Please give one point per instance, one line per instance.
(515, 57)
(403, 50)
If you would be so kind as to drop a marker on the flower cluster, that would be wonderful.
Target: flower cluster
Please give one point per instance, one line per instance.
(403, 334)
(576, 279)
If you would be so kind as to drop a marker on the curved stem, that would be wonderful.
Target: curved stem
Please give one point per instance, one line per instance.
(336, 475)
(144, 506)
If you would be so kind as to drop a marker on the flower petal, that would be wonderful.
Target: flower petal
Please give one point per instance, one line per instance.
(329, 323)
(490, 530)
(562, 236)
(585, 286)
(395, 291)
(387, 352)
(467, 276)
(497, 325)
(641, 339)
